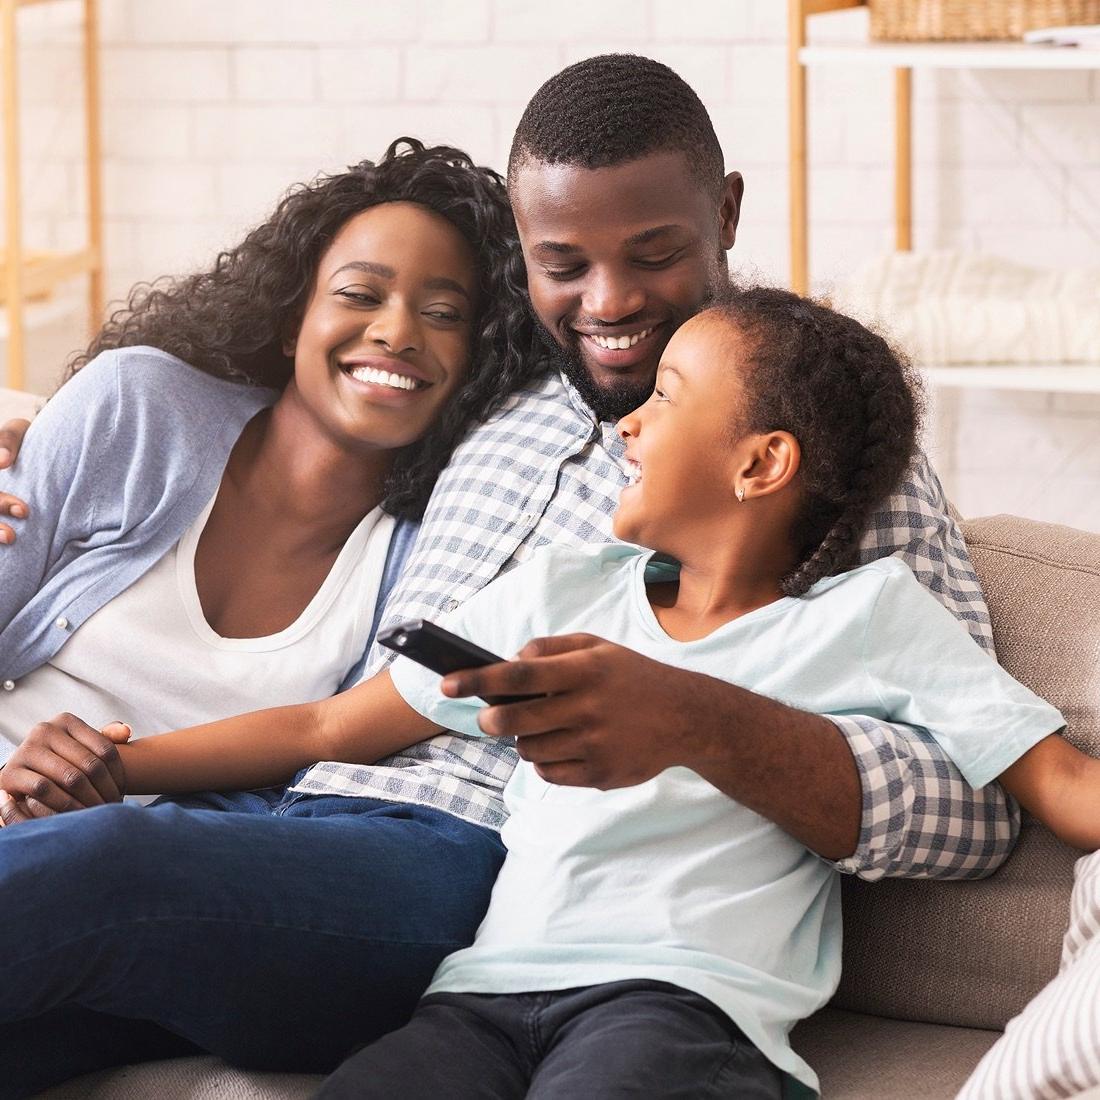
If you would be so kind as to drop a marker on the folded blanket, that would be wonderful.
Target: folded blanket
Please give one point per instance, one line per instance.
(950, 307)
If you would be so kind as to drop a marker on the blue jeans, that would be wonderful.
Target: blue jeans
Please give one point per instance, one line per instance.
(278, 931)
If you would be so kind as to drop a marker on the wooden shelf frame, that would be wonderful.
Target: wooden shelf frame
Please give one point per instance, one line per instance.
(903, 58)
(36, 275)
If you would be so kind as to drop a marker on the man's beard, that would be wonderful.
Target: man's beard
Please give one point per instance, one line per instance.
(609, 403)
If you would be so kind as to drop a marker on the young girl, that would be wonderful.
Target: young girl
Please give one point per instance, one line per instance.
(663, 938)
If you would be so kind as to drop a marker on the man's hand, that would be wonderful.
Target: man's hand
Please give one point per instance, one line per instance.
(614, 718)
(61, 766)
(11, 439)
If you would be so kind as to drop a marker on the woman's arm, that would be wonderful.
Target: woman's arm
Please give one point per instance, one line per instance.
(259, 749)
(1060, 785)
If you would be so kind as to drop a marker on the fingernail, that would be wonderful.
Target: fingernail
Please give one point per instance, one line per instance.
(4, 536)
(5, 456)
(18, 511)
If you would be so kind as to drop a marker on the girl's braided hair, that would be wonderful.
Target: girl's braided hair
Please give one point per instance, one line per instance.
(233, 320)
(851, 402)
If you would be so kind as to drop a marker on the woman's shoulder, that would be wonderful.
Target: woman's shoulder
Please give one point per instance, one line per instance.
(142, 369)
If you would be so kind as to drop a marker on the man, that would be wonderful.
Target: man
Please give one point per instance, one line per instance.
(625, 218)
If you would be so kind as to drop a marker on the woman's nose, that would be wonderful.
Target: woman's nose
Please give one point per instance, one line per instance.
(396, 330)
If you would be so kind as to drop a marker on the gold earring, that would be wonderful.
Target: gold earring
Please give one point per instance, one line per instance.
(741, 494)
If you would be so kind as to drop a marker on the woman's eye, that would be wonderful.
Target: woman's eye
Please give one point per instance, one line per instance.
(359, 297)
(562, 274)
(449, 316)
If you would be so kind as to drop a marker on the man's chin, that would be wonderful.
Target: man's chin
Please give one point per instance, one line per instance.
(609, 395)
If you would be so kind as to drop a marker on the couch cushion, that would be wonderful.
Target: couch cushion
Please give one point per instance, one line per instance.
(973, 953)
(862, 1057)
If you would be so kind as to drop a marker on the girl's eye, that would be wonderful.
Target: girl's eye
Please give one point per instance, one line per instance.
(659, 394)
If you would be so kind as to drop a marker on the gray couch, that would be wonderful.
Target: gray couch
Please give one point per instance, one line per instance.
(932, 971)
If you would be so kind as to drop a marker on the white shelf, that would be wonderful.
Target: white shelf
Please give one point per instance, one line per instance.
(1040, 378)
(950, 55)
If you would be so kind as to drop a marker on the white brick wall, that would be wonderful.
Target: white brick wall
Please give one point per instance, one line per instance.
(212, 107)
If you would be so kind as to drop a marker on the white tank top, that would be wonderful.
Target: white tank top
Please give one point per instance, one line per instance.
(150, 659)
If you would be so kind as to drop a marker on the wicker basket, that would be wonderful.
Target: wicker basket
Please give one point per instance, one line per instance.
(988, 20)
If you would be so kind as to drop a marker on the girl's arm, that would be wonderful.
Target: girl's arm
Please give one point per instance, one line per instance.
(1060, 785)
(265, 747)
(67, 765)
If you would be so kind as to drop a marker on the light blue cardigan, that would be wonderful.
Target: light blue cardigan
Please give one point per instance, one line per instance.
(115, 468)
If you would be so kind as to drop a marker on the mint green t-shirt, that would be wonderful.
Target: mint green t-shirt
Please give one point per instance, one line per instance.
(671, 880)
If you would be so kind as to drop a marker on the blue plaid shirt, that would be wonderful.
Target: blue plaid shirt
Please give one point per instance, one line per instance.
(544, 470)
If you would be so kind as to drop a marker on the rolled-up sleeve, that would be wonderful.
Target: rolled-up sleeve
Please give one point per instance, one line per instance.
(920, 818)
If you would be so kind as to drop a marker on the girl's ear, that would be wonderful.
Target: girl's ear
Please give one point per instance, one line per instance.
(771, 463)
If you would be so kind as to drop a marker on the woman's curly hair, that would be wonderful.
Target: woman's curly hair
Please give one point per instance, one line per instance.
(852, 403)
(233, 321)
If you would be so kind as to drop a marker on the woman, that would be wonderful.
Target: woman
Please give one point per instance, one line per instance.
(360, 301)
(176, 511)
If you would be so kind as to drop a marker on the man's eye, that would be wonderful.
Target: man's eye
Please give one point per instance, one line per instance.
(659, 261)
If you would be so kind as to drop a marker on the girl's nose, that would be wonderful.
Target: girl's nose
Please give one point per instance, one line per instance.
(627, 427)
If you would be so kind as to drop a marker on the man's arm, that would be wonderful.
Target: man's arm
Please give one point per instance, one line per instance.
(854, 790)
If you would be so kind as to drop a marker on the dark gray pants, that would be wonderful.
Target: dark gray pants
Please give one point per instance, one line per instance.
(625, 1039)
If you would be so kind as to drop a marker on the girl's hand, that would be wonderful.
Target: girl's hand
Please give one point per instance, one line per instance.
(63, 765)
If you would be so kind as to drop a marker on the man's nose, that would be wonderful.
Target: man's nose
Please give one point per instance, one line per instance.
(612, 296)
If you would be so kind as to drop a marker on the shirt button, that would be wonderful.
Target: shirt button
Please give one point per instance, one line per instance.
(62, 623)
(450, 605)
(8, 685)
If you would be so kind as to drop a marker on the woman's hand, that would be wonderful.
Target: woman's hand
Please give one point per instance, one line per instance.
(63, 765)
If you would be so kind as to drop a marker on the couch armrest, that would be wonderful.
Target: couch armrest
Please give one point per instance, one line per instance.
(14, 403)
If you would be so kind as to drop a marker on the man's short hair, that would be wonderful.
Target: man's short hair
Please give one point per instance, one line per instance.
(615, 108)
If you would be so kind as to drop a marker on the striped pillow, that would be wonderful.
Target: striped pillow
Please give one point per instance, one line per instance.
(1052, 1049)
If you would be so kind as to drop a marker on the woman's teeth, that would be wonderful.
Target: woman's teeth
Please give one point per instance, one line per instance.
(384, 378)
(620, 343)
